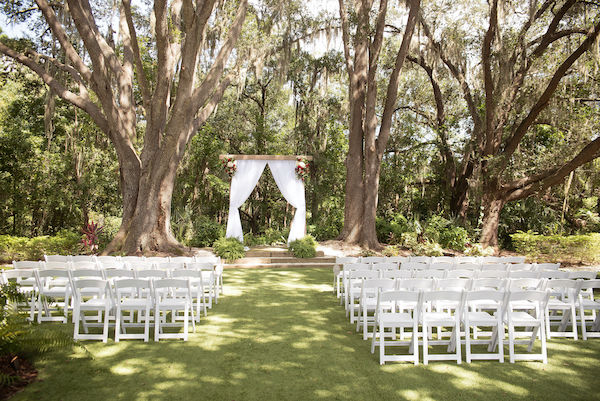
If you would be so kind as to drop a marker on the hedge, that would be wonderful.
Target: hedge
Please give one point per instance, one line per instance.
(574, 248)
(23, 248)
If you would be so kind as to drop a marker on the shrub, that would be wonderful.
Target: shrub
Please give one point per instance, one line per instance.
(276, 237)
(229, 248)
(447, 234)
(111, 225)
(581, 248)
(206, 232)
(392, 250)
(22, 248)
(389, 232)
(421, 246)
(304, 247)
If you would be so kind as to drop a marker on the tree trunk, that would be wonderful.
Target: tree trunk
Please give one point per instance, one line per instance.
(492, 206)
(368, 237)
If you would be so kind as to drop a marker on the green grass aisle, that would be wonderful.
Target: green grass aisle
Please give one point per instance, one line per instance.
(281, 335)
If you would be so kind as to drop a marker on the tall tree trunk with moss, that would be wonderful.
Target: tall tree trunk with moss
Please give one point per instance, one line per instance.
(174, 107)
(366, 145)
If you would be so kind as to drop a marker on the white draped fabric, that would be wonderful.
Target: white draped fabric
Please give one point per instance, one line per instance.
(245, 179)
(292, 189)
(243, 182)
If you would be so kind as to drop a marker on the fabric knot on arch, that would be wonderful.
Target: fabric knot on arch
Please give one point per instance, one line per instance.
(243, 182)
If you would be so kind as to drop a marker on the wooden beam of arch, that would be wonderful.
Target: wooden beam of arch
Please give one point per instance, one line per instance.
(265, 157)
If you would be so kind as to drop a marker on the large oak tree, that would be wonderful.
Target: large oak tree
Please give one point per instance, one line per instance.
(368, 135)
(104, 75)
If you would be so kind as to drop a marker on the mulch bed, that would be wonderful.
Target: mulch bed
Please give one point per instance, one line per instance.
(15, 366)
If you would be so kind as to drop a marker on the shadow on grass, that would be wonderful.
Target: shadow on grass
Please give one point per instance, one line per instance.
(282, 335)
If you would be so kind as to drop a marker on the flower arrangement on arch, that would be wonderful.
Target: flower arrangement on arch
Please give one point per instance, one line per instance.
(302, 168)
(230, 165)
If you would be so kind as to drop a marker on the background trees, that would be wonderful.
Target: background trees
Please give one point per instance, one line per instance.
(491, 123)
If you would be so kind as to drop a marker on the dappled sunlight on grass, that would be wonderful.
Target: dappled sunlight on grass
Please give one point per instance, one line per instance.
(282, 335)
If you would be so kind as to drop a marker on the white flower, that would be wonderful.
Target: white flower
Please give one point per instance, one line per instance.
(301, 165)
(230, 164)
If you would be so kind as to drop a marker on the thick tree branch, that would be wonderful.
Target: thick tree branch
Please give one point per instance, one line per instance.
(392, 89)
(142, 79)
(78, 101)
(518, 134)
(346, 39)
(203, 92)
(528, 186)
(486, 60)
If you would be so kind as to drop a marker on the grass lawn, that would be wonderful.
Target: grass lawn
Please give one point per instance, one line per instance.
(282, 335)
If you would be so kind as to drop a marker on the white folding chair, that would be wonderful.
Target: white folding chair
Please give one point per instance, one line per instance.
(512, 259)
(55, 265)
(396, 274)
(106, 264)
(132, 295)
(582, 274)
(498, 274)
(139, 265)
(57, 258)
(131, 258)
(84, 265)
(209, 279)
(200, 297)
(368, 301)
(451, 260)
(461, 274)
(468, 266)
(108, 259)
(99, 302)
(181, 259)
(398, 259)
(449, 317)
(420, 259)
(553, 274)
(546, 266)
(83, 258)
(346, 269)
(384, 266)
(355, 278)
(468, 259)
(492, 316)
(529, 319)
(429, 273)
(338, 269)
(441, 266)
(27, 286)
(26, 264)
(523, 274)
(494, 267)
(172, 295)
(563, 294)
(85, 274)
(589, 301)
(146, 274)
(414, 266)
(372, 259)
(515, 267)
(397, 310)
(52, 284)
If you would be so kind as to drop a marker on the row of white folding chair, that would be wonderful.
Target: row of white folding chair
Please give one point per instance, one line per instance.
(212, 268)
(40, 285)
(481, 267)
(413, 309)
(133, 295)
(109, 259)
(433, 273)
(432, 259)
(564, 297)
(357, 278)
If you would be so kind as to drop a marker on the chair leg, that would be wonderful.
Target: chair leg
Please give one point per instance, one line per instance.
(156, 322)
(147, 324)
(106, 316)
(468, 340)
(425, 344)
(381, 344)
(511, 342)
(117, 323)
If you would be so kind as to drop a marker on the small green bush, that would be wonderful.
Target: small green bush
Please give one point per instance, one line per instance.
(304, 247)
(390, 231)
(447, 234)
(420, 246)
(229, 248)
(581, 248)
(22, 248)
(478, 250)
(206, 232)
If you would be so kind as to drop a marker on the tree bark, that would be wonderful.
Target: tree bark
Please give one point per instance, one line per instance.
(492, 207)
